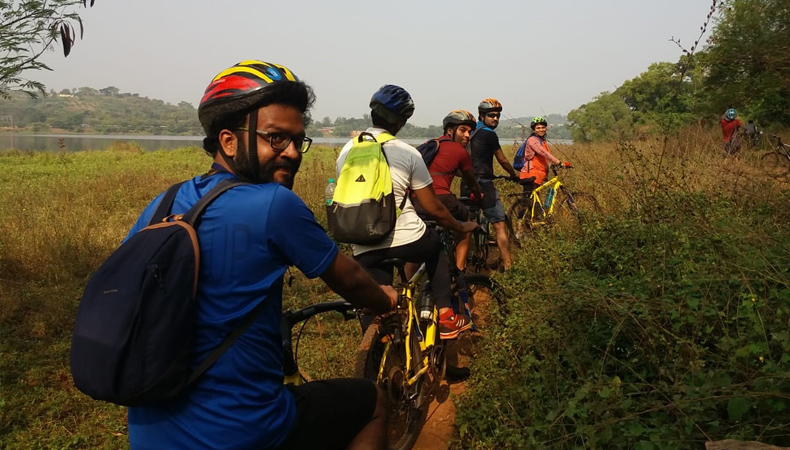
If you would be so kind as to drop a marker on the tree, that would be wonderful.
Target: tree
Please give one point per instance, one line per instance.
(112, 91)
(661, 96)
(606, 117)
(27, 29)
(748, 60)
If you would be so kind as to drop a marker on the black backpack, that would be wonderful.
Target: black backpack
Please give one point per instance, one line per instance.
(135, 322)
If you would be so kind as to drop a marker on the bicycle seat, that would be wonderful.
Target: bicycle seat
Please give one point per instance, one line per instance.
(394, 262)
(527, 181)
(398, 263)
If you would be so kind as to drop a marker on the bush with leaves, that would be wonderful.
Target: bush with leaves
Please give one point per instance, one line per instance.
(662, 327)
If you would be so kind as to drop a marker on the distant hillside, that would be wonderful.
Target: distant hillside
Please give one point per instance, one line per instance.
(103, 111)
(108, 111)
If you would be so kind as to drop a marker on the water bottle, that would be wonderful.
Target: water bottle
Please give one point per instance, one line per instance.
(330, 192)
(426, 303)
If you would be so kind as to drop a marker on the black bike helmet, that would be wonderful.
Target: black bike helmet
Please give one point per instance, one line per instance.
(459, 117)
(392, 103)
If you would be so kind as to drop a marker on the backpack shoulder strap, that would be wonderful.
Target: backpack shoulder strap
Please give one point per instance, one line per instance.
(193, 215)
(439, 141)
(166, 204)
(384, 137)
(226, 343)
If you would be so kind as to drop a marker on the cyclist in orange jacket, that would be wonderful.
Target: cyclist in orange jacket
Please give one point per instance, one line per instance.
(537, 155)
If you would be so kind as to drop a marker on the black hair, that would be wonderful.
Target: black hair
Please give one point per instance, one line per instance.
(381, 122)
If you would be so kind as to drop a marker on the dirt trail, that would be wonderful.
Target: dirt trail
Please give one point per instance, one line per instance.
(439, 426)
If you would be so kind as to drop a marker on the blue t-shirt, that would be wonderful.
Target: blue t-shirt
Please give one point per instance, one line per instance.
(248, 238)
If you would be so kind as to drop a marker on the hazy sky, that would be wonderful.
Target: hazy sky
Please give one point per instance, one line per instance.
(536, 57)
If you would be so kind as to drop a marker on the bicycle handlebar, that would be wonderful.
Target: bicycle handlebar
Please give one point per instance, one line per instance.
(291, 318)
(560, 166)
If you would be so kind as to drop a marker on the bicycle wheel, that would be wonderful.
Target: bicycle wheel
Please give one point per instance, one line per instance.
(486, 299)
(477, 259)
(582, 208)
(407, 403)
(518, 217)
(775, 164)
(514, 238)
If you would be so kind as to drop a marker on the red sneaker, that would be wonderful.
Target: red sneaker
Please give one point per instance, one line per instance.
(451, 324)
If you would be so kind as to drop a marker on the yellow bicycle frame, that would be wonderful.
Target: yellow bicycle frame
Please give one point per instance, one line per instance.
(411, 315)
(538, 203)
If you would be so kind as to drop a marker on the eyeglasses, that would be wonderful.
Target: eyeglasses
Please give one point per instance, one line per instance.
(280, 141)
(493, 115)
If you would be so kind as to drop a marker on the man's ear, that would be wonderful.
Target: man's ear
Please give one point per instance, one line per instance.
(229, 142)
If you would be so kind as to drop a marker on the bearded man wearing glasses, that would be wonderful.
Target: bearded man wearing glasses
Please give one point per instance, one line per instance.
(483, 147)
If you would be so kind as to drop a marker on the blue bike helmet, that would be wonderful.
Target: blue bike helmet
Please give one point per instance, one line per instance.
(392, 103)
(730, 114)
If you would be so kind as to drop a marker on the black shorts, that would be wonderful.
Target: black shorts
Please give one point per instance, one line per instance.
(330, 413)
(451, 202)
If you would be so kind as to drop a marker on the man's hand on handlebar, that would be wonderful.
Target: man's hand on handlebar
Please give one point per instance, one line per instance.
(467, 227)
(392, 294)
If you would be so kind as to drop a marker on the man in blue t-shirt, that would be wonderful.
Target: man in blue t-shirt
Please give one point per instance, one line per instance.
(254, 115)
(483, 148)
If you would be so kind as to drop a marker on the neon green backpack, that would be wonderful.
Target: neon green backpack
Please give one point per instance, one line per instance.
(363, 206)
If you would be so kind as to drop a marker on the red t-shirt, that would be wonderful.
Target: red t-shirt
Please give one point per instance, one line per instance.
(450, 158)
(728, 128)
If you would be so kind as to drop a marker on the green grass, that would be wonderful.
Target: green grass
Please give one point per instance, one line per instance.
(638, 332)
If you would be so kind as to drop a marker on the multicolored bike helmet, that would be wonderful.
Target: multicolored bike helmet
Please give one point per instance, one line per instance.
(392, 103)
(489, 105)
(730, 114)
(237, 90)
(538, 121)
(459, 117)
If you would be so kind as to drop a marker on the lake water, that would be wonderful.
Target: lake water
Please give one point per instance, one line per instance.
(77, 142)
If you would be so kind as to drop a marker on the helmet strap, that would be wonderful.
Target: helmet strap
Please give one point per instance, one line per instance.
(247, 172)
(252, 145)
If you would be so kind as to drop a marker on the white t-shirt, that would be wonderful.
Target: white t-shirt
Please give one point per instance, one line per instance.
(408, 171)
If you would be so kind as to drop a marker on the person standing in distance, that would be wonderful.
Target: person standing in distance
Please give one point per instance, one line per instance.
(254, 115)
(537, 156)
(730, 126)
(483, 148)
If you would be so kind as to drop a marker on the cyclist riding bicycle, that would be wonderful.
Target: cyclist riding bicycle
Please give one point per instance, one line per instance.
(730, 126)
(452, 158)
(411, 240)
(483, 148)
(254, 115)
(537, 155)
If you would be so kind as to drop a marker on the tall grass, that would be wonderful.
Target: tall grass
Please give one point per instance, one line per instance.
(683, 233)
(60, 216)
(660, 326)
